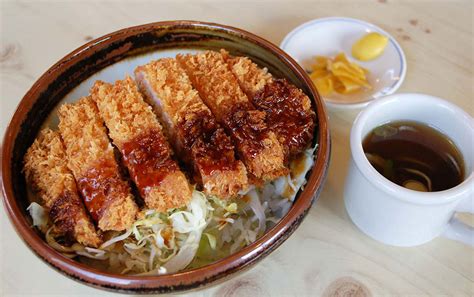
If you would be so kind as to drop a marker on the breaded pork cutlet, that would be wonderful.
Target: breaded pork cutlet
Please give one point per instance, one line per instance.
(257, 146)
(289, 112)
(138, 135)
(91, 159)
(45, 167)
(197, 137)
(252, 79)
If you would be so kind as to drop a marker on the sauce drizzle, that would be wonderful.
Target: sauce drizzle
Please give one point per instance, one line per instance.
(287, 115)
(207, 142)
(100, 186)
(148, 159)
(248, 128)
(63, 213)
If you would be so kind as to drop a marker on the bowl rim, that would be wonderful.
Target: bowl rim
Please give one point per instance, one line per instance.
(356, 105)
(185, 280)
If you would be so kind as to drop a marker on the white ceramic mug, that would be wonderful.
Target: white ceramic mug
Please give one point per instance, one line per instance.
(393, 214)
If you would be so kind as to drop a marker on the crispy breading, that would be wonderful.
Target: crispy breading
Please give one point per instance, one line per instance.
(91, 159)
(289, 111)
(138, 135)
(45, 167)
(216, 85)
(257, 146)
(251, 78)
(198, 139)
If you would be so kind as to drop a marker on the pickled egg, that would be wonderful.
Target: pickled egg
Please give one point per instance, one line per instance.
(370, 46)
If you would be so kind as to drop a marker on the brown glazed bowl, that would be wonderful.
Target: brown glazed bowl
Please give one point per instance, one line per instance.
(94, 56)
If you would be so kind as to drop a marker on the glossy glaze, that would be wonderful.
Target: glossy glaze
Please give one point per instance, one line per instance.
(286, 115)
(100, 186)
(148, 159)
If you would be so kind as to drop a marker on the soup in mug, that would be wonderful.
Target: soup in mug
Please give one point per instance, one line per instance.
(415, 156)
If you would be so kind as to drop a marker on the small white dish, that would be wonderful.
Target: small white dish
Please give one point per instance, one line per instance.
(330, 36)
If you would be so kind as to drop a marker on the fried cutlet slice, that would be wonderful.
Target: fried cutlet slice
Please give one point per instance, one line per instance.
(251, 78)
(256, 145)
(197, 137)
(289, 112)
(138, 135)
(45, 167)
(106, 194)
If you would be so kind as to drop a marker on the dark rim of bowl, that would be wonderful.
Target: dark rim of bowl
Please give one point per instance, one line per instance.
(187, 279)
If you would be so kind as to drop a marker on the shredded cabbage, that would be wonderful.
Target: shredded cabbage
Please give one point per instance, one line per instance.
(39, 215)
(160, 243)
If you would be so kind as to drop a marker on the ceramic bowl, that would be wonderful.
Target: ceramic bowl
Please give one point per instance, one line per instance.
(330, 36)
(109, 58)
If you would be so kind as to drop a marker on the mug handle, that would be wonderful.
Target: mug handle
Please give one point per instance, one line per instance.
(456, 229)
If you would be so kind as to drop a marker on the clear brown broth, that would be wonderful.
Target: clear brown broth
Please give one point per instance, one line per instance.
(411, 153)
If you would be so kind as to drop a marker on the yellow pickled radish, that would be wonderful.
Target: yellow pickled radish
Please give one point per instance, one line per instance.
(339, 75)
(324, 85)
(369, 47)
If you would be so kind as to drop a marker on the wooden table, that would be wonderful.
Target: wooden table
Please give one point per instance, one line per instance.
(327, 255)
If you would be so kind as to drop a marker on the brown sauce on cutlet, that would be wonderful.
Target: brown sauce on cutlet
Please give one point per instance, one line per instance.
(286, 116)
(63, 213)
(208, 143)
(200, 125)
(148, 159)
(215, 152)
(247, 127)
(100, 186)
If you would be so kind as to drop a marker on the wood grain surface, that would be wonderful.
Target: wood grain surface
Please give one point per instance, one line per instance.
(327, 255)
